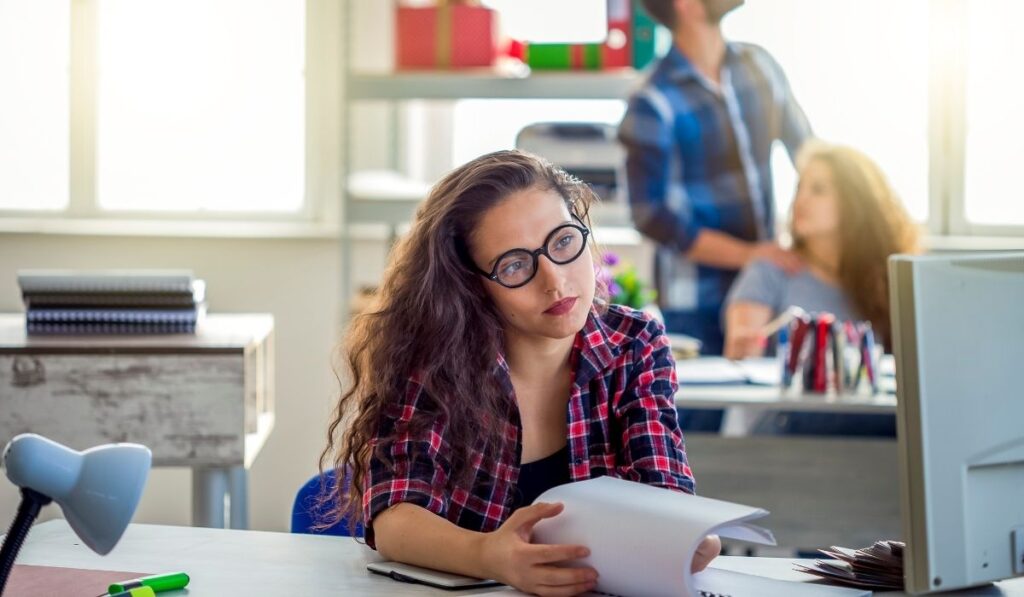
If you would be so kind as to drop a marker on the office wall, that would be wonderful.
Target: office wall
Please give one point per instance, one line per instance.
(295, 280)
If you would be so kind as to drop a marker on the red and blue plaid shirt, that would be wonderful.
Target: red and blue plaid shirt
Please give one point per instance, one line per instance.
(621, 422)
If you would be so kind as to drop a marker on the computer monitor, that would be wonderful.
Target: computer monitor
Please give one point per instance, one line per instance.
(958, 337)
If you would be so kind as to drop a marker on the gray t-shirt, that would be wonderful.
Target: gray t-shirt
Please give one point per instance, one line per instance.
(766, 283)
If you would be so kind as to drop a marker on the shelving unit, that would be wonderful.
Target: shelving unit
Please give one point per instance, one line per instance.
(360, 208)
(488, 85)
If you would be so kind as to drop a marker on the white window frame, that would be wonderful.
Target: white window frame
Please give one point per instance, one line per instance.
(948, 75)
(319, 212)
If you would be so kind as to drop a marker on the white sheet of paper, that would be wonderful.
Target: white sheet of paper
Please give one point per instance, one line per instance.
(728, 583)
(709, 370)
(765, 371)
(642, 538)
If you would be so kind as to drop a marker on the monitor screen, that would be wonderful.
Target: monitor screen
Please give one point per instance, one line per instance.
(958, 331)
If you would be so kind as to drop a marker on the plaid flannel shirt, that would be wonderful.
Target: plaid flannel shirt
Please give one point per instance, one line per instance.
(621, 422)
(699, 156)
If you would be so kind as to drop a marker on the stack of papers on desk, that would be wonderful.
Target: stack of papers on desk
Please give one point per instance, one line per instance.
(721, 371)
(642, 538)
(879, 567)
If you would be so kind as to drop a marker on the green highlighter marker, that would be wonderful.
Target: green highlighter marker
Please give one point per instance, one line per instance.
(157, 582)
(142, 591)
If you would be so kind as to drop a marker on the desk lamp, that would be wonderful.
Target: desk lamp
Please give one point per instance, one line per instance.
(97, 489)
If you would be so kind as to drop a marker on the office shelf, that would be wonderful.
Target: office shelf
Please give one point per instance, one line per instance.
(453, 85)
(386, 200)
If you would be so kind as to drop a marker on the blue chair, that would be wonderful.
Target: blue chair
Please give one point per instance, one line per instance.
(305, 513)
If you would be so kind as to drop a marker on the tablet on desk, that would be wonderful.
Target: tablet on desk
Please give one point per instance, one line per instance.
(426, 576)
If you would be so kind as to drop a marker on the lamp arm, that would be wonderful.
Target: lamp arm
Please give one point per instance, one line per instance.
(31, 503)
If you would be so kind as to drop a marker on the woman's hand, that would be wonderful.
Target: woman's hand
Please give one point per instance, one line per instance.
(509, 557)
(708, 550)
(744, 343)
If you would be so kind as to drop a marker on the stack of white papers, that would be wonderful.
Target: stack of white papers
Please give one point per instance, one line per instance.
(718, 370)
(642, 540)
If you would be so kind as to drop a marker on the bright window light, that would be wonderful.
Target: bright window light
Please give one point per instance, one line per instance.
(860, 71)
(995, 122)
(34, 129)
(201, 105)
(558, 21)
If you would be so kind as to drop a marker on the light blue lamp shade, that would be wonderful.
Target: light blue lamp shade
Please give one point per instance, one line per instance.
(98, 489)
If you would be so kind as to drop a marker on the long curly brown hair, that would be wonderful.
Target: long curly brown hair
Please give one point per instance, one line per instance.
(431, 317)
(874, 225)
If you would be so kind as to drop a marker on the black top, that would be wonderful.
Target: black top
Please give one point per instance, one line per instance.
(541, 475)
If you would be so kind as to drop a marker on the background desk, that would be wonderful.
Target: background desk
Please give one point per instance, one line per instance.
(225, 562)
(820, 490)
(203, 401)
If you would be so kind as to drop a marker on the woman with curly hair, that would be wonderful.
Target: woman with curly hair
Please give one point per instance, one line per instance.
(490, 369)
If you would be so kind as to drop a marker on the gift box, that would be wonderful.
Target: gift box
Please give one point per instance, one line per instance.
(449, 35)
(564, 56)
(614, 52)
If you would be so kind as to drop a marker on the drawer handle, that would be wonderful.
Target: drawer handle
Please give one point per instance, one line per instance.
(28, 371)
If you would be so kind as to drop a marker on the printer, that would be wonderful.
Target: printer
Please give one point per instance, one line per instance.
(589, 151)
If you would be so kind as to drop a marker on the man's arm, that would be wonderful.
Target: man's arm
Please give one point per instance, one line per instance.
(718, 249)
(794, 128)
(646, 134)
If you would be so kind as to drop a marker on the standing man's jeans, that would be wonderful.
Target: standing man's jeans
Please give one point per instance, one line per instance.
(706, 326)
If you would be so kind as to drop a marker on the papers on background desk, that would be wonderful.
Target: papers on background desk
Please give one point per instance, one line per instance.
(683, 346)
(764, 371)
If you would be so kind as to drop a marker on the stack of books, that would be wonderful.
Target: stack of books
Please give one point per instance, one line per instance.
(111, 301)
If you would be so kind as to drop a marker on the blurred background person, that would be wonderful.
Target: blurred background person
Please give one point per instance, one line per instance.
(846, 221)
(698, 138)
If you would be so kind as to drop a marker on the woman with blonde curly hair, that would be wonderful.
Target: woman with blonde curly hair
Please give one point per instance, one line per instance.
(491, 369)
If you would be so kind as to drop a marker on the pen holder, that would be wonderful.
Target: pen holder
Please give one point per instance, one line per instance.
(821, 355)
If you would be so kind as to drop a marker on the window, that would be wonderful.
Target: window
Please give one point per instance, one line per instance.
(994, 119)
(860, 71)
(143, 108)
(200, 105)
(34, 114)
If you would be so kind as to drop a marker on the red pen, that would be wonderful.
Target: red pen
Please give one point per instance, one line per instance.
(801, 326)
(824, 328)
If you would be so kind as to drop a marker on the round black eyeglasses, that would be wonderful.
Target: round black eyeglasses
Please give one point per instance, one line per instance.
(517, 267)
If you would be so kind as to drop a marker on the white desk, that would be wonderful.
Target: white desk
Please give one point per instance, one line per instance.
(227, 562)
(820, 491)
(743, 402)
(750, 395)
(205, 401)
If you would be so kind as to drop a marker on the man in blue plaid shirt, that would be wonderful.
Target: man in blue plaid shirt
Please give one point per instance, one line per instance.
(698, 138)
